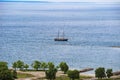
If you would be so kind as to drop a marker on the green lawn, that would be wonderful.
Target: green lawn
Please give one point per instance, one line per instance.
(82, 78)
(67, 78)
(23, 75)
(109, 79)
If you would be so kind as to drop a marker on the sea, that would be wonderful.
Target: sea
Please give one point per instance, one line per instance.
(28, 29)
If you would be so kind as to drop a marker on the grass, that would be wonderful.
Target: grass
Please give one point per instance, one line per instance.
(67, 78)
(81, 78)
(62, 78)
(24, 75)
(86, 77)
(29, 70)
(110, 79)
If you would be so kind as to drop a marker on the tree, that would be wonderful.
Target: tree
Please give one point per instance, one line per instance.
(20, 64)
(51, 65)
(14, 65)
(109, 73)
(3, 65)
(44, 65)
(36, 65)
(14, 74)
(64, 67)
(51, 72)
(100, 72)
(73, 74)
(5, 73)
(26, 66)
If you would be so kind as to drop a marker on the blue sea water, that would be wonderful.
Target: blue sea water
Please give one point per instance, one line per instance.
(27, 32)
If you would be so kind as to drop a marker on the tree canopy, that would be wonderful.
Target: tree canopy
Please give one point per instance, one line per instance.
(100, 72)
(5, 73)
(109, 73)
(64, 67)
(36, 65)
(51, 72)
(73, 74)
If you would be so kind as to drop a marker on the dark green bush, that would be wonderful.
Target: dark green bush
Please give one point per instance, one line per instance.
(100, 72)
(73, 74)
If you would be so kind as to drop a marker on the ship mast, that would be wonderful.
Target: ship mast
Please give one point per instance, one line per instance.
(63, 34)
(58, 34)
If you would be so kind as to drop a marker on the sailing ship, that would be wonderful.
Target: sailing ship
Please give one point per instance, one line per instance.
(60, 38)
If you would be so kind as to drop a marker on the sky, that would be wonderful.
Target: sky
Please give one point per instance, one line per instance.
(69, 0)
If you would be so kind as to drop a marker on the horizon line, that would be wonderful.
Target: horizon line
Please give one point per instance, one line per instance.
(57, 2)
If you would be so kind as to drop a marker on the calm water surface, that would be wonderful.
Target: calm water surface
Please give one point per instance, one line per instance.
(27, 32)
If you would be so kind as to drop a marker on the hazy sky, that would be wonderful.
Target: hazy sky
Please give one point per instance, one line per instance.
(69, 0)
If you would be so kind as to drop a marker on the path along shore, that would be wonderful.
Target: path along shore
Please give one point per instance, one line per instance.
(41, 74)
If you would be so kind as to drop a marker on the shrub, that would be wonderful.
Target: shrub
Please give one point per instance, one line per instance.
(36, 65)
(64, 67)
(44, 65)
(26, 66)
(51, 72)
(109, 73)
(14, 74)
(14, 65)
(5, 73)
(20, 64)
(100, 72)
(73, 74)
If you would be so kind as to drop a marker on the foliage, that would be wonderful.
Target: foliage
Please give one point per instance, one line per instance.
(73, 74)
(5, 73)
(109, 73)
(36, 65)
(51, 72)
(109, 79)
(14, 74)
(14, 65)
(64, 77)
(50, 65)
(24, 75)
(26, 66)
(100, 72)
(3, 65)
(44, 65)
(20, 64)
(64, 67)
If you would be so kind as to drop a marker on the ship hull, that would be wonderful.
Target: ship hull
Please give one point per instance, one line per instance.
(60, 39)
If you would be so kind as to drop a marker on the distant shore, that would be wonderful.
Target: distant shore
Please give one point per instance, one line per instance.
(115, 46)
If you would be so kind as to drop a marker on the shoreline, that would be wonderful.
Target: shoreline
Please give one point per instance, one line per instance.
(115, 46)
(41, 74)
